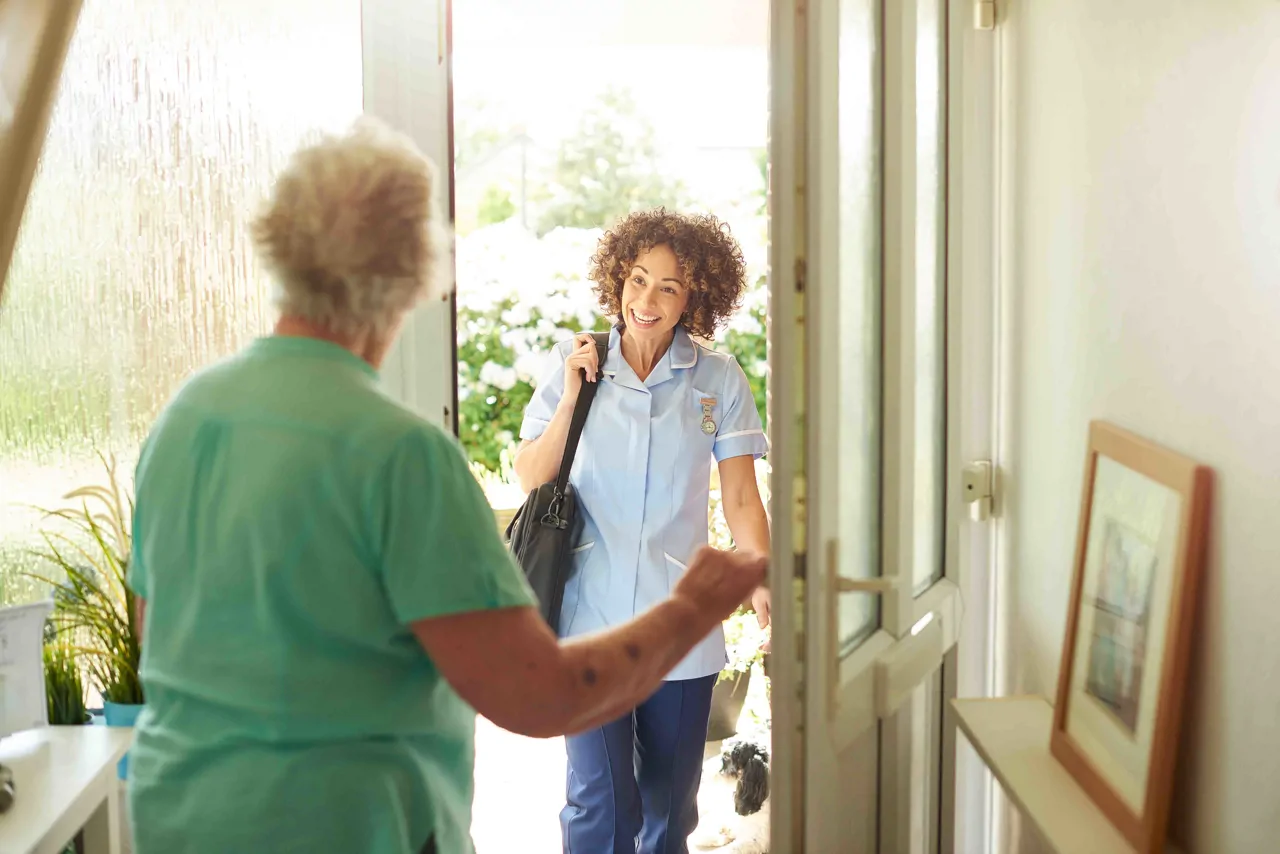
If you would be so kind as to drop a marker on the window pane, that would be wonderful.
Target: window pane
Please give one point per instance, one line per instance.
(931, 228)
(859, 322)
(134, 265)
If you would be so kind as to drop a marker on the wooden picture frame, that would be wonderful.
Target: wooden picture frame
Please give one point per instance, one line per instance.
(34, 37)
(1140, 554)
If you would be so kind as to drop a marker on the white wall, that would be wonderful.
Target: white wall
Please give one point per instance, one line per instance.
(1144, 288)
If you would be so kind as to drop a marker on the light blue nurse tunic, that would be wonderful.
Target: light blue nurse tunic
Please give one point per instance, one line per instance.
(642, 474)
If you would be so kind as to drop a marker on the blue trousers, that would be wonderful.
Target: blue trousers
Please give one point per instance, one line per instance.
(633, 784)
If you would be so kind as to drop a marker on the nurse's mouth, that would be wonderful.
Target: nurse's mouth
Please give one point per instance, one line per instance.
(644, 321)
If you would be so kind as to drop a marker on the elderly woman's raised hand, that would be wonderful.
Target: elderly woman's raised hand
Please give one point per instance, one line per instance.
(717, 582)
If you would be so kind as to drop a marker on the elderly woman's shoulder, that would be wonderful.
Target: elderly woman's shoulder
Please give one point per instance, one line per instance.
(408, 438)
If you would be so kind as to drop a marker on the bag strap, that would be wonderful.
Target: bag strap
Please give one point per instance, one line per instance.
(581, 407)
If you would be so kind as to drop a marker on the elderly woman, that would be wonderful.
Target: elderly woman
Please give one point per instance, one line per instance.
(666, 407)
(326, 600)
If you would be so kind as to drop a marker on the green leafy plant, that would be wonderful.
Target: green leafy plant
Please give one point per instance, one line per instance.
(63, 683)
(493, 395)
(495, 206)
(88, 550)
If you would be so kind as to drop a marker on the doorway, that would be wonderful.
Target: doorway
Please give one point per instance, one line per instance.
(567, 116)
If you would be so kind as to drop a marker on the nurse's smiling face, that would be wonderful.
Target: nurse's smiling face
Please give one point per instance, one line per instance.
(654, 296)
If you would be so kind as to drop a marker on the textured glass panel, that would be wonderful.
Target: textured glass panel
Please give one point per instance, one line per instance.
(931, 211)
(859, 323)
(134, 265)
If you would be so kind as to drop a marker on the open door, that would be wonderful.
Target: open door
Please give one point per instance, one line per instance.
(407, 84)
(863, 312)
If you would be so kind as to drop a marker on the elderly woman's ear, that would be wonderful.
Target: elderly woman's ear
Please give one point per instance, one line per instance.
(353, 232)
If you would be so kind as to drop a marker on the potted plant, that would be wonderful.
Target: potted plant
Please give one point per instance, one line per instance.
(63, 682)
(744, 640)
(94, 606)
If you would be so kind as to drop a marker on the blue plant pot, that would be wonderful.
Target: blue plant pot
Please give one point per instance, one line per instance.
(121, 715)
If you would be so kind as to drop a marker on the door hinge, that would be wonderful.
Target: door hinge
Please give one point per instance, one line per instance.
(977, 484)
(984, 14)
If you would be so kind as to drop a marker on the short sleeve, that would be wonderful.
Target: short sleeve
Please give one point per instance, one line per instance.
(739, 432)
(441, 552)
(546, 397)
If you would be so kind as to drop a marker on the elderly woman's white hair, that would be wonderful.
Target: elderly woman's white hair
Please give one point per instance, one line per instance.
(352, 232)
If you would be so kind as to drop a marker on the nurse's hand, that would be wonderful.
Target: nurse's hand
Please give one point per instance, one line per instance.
(761, 602)
(717, 582)
(583, 359)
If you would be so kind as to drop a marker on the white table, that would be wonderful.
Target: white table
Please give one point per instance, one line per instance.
(66, 782)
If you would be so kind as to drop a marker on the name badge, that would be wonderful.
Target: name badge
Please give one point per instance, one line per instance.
(708, 422)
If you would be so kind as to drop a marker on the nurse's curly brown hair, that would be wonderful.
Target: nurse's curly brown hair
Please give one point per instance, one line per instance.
(710, 260)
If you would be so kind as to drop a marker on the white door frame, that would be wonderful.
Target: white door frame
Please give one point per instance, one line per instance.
(976, 392)
(786, 377)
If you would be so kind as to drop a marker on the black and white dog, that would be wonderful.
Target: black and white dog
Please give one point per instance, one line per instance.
(733, 802)
(749, 763)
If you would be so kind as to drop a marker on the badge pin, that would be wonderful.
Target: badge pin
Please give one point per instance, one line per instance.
(708, 423)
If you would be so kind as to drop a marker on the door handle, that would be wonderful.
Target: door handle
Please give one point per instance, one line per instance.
(836, 585)
(879, 585)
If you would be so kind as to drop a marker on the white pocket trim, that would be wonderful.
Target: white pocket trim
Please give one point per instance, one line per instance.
(673, 560)
(582, 548)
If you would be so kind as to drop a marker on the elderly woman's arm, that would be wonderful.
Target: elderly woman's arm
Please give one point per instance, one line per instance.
(508, 665)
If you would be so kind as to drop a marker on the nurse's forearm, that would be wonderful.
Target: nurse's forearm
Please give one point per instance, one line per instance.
(743, 508)
(749, 527)
(609, 674)
(538, 462)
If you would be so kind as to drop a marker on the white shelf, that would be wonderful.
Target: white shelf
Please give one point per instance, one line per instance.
(1011, 734)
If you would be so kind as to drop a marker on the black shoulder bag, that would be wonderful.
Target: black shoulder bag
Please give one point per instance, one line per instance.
(547, 526)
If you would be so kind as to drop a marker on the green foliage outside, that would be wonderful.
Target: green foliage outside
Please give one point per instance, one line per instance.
(489, 414)
(495, 206)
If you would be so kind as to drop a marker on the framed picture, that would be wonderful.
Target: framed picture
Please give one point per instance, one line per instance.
(34, 35)
(1139, 557)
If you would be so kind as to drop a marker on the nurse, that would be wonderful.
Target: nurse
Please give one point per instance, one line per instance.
(665, 409)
